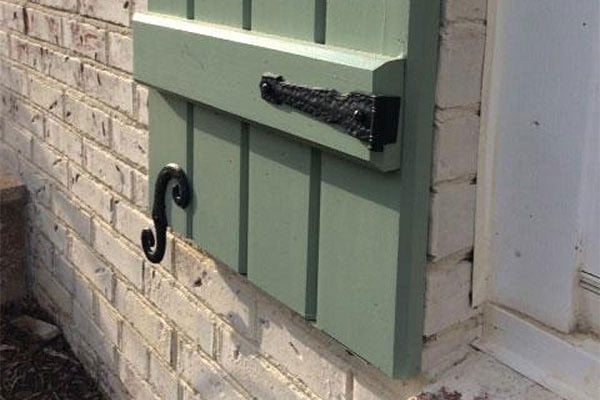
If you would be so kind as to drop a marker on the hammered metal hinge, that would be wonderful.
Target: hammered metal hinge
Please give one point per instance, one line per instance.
(368, 117)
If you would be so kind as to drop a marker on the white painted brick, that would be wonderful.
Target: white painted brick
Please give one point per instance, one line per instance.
(66, 209)
(92, 267)
(89, 120)
(130, 143)
(27, 117)
(130, 222)
(83, 293)
(162, 379)
(64, 140)
(12, 17)
(62, 67)
(125, 260)
(138, 388)
(203, 375)
(92, 335)
(44, 26)
(60, 297)
(452, 220)
(47, 97)
(4, 44)
(134, 350)
(38, 183)
(63, 273)
(112, 172)
(110, 384)
(455, 146)
(9, 162)
(51, 227)
(19, 139)
(42, 248)
(109, 88)
(263, 381)
(193, 319)
(67, 5)
(142, 104)
(147, 322)
(14, 78)
(116, 11)
(225, 292)
(380, 387)
(140, 5)
(27, 53)
(447, 296)
(91, 193)
(300, 349)
(120, 51)
(50, 161)
(107, 320)
(140, 190)
(464, 9)
(460, 65)
(86, 39)
(442, 351)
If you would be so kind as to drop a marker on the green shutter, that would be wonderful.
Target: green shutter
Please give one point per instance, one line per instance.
(332, 229)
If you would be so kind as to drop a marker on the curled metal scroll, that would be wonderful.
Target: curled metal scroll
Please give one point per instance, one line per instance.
(181, 195)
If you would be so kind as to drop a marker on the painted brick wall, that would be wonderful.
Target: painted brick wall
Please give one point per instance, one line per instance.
(73, 126)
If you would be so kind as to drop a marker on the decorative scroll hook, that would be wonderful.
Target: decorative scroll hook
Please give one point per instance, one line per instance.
(181, 195)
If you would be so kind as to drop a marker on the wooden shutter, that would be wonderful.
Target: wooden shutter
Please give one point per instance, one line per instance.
(312, 215)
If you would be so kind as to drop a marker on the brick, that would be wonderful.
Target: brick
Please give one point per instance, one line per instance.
(452, 220)
(288, 339)
(9, 163)
(83, 293)
(92, 267)
(140, 190)
(64, 140)
(91, 193)
(109, 88)
(42, 248)
(241, 359)
(38, 183)
(134, 350)
(110, 384)
(225, 292)
(62, 302)
(50, 161)
(43, 26)
(63, 67)
(141, 94)
(4, 44)
(116, 11)
(140, 5)
(63, 273)
(20, 140)
(460, 65)
(447, 296)
(14, 78)
(373, 385)
(163, 379)
(126, 261)
(86, 39)
(203, 375)
(107, 320)
(112, 172)
(146, 321)
(67, 5)
(27, 53)
(130, 143)
(24, 115)
(52, 228)
(456, 144)
(464, 9)
(92, 335)
(130, 222)
(12, 17)
(120, 51)
(47, 97)
(191, 318)
(89, 120)
(76, 218)
(138, 388)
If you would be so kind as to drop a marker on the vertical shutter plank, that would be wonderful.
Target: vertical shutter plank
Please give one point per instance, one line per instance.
(284, 185)
(178, 8)
(220, 163)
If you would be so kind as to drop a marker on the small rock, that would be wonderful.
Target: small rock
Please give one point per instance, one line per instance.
(40, 329)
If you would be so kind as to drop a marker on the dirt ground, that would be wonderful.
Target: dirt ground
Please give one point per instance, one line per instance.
(34, 370)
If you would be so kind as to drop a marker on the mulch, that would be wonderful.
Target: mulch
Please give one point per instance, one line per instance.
(34, 370)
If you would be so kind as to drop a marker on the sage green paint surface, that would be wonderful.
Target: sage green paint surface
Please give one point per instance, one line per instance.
(321, 216)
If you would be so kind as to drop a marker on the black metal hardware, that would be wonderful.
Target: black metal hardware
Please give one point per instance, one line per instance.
(370, 118)
(181, 195)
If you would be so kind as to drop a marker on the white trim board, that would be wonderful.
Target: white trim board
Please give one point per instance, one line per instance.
(567, 365)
